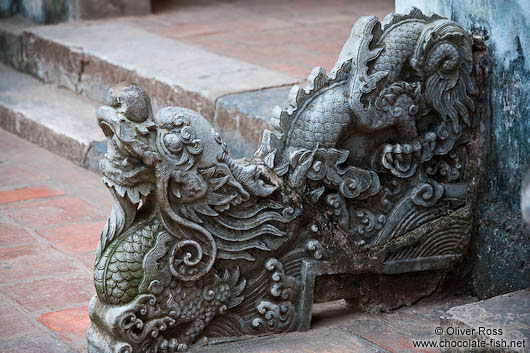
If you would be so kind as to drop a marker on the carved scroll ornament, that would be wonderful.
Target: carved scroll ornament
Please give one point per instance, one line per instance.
(367, 172)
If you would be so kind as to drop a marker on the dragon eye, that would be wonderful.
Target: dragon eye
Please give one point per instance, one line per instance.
(173, 142)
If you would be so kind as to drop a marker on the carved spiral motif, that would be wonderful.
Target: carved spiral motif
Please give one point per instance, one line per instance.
(427, 194)
(139, 324)
(277, 312)
(125, 348)
(369, 221)
(443, 56)
(176, 139)
(316, 248)
(184, 255)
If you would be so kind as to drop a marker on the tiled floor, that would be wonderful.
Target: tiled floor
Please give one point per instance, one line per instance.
(51, 215)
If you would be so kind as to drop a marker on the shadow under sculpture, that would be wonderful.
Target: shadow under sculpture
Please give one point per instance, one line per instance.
(363, 192)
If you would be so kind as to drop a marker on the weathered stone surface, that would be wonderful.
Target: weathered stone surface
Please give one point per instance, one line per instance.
(11, 40)
(42, 114)
(8, 8)
(92, 9)
(54, 11)
(501, 246)
(48, 11)
(501, 323)
(94, 57)
(525, 199)
(371, 172)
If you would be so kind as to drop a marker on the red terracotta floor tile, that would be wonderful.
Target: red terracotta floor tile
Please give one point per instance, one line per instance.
(52, 293)
(28, 193)
(75, 238)
(13, 235)
(53, 212)
(11, 174)
(13, 323)
(44, 343)
(87, 259)
(29, 262)
(70, 324)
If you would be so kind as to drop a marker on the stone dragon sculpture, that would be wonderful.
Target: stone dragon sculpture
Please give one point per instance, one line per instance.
(368, 172)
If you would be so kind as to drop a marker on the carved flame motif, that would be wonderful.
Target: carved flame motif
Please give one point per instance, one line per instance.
(366, 172)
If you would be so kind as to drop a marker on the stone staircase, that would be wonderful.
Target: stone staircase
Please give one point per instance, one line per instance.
(43, 114)
(54, 78)
(232, 62)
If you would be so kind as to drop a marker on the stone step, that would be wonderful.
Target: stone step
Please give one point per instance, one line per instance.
(89, 57)
(54, 118)
(498, 324)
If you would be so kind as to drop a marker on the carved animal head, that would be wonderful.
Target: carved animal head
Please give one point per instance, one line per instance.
(176, 164)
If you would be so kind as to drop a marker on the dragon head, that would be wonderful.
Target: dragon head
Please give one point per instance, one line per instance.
(127, 122)
(175, 162)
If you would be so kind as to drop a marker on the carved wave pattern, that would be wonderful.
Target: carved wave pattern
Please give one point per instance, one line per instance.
(239, 321)
(415, 218)
(446, 241)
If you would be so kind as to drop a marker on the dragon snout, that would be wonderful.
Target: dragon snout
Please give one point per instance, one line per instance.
(105, 116)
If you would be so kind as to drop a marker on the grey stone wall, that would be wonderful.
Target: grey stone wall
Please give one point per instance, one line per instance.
(499, 261)
(54, 11)
(48, 11)
(7, 8)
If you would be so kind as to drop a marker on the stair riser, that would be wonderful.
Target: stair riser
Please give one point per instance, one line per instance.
(91, 76)
(43, 136)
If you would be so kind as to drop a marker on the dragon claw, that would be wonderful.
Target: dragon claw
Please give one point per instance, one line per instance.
(401, 159)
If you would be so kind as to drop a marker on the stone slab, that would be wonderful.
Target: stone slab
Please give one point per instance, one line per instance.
(336, 340)
(90, 57)
(501, 323)
(51, 117)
